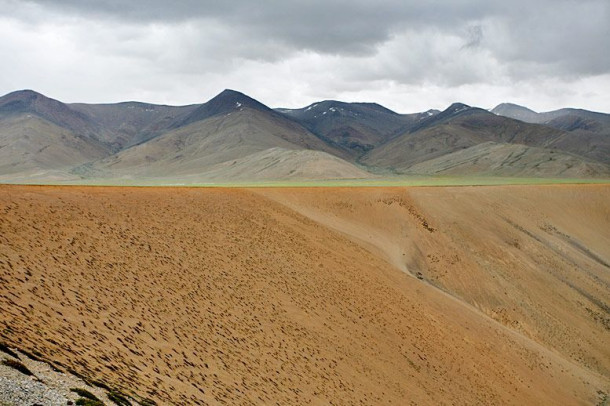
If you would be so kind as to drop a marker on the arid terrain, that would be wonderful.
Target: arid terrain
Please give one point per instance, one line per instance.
(326, 296)
(235, 138)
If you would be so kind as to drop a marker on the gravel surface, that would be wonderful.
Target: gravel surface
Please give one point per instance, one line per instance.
(46, 387)
(26, 390)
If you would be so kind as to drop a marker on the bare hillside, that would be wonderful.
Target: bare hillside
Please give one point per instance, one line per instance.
(492, 158)
(489, 295)
(225, 147)
(31, 145)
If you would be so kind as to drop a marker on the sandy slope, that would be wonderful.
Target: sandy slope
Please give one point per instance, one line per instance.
(228, 296)
(536, 259)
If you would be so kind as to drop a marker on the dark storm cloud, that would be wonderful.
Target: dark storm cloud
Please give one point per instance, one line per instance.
(570, 35)
(327, 26)
(302, 50)
(475, 35)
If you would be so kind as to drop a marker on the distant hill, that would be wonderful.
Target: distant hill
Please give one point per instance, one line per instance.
(495, 159)
(280, 163)
(584, 119)
(230, 137)
(235, 137)
(354, 127)
(517, 112)
(460, 127)
(590, 131)
(122, 125)
(43, 138)
(459, 141)
(33, 103)
(225, 102)
(114, 125)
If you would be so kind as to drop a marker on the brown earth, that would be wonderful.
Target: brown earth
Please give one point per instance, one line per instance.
(472, 295)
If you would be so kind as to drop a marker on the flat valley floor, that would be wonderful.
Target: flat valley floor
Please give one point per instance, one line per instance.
(323, 296)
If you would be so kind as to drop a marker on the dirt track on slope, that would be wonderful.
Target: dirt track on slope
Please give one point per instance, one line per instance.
(229, 296)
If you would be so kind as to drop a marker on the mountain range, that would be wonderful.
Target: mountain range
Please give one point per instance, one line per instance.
(234, 137)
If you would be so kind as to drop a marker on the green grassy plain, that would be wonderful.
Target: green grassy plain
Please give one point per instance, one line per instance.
(376, 182)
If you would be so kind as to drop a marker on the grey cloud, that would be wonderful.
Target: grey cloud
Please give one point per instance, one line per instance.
(340, 27)
(475, 35)
(317, 46)
(569, 36)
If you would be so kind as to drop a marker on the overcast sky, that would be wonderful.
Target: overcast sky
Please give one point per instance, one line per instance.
(407, 55)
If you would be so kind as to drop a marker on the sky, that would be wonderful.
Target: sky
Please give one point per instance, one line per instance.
(407, 55)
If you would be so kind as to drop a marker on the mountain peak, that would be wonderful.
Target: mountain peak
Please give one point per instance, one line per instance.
(377, 107)
(334, 108)
(228, 100)
(511, 106)
(516, 111)
(33, 103)
(22, 101)
(29, 101)
(322, 105)
(22, 94)
(432, 117)
(456, 108)
(508, 104)
(224, 102)
(230, 93)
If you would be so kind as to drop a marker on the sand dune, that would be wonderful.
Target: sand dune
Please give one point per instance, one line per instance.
(314, 296)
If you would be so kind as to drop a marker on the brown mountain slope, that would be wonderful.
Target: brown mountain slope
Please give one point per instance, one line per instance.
(279, 163)
(517, 112)
(233, 102)
(116, 126)
(460, 127)
(588, 132)
(33, 103)
(174, 142)
(494, 159)
(124, 124)
(223, 136)
(567, 119)
(586, 143)
(537, 259)
(201, 146)
(353, 127)
(225, 102)
(30, 145)
(224, 296)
